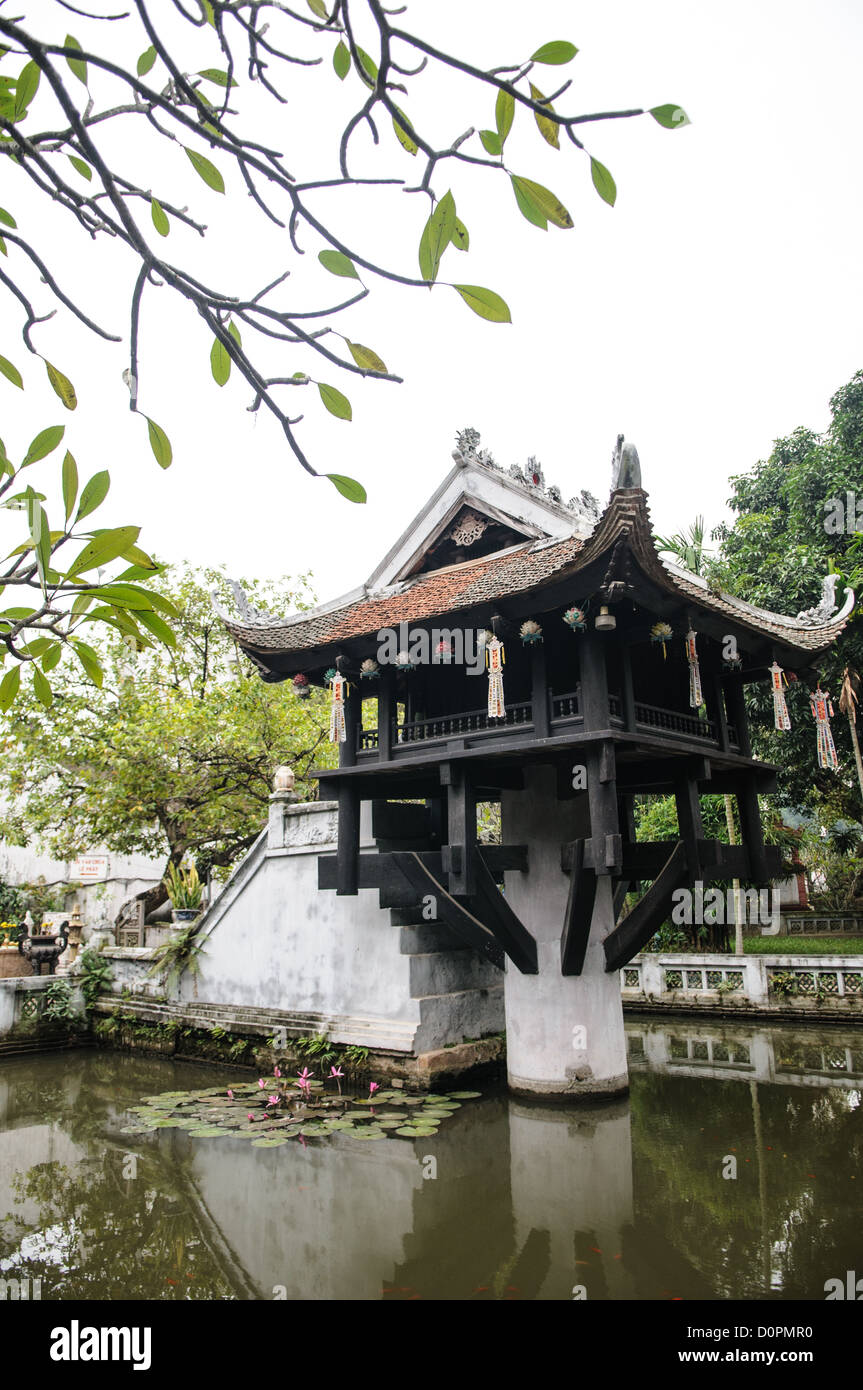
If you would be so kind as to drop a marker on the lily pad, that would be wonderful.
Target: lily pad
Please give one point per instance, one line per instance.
(389, 1124)
(368, 1133)
(208, 1131)
(268, 1143)
(408, 1131)
(167, 1124)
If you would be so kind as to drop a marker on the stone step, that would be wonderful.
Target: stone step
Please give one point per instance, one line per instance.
(469, 1013)
(423, 937)
(448, 972)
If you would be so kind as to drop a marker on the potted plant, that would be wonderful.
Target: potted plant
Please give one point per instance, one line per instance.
(185, 890)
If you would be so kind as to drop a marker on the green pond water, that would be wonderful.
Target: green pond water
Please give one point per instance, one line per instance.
(633, 1199)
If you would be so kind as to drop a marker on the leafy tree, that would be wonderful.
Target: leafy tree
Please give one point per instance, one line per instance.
(788, 534)
(85, 121)
(173, 756)
(54, 597)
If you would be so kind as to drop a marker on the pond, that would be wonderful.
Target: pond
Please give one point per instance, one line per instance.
(733, 1171)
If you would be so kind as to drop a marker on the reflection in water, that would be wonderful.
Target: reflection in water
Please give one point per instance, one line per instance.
(629, 1199)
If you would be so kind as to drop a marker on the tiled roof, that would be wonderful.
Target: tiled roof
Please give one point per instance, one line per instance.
(429, 596)
(523, 568)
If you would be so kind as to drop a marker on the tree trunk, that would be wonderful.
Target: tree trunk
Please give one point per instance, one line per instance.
(732, 840)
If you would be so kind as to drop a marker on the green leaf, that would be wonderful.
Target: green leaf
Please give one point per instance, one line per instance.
(160, 217)
(141, 563)
(217, 76)
(504, 114)
(366, 358)
(8, 219)
(146, 61)
(80, 167)
(436, 236)
(26, 88)
(209, 14)
(554, 53)
(158, 627)
(206, 170)
(41, 688)
(52, 656)
(89, 660)
(670, 116)
(62, 385)
(94, 494)
(549, 130)
(491, 142)
(235, 333)
(336, 403)
(338, 264)
(348, 487)
(367, 68)
(3, 248)
(45, 443)
(9, 688)
(124, 596)
(485, 303)
(77, 66)
(603, 182)
(220, 362)
(319, 8)
(103, 548)
(342, 60)
(159, 443)
(538, 203)
(460, 237)
(405, 140)
(11, 372)
(70, 483)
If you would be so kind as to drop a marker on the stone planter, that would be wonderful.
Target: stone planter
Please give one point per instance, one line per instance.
(13, 964)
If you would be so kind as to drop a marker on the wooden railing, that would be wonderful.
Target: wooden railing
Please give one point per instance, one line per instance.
(563, 708)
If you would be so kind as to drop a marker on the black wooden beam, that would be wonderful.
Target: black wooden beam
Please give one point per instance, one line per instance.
(689, 821)
(751, 830)
(470, 928)
(539, 690)
(648, 914)
(375, 870)
(579, 913)
(386, 713)
(489, 906)
(461, 832)
(347, 859)
(737, 710)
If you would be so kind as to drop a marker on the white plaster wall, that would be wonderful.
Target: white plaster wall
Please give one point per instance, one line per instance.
(274, 941)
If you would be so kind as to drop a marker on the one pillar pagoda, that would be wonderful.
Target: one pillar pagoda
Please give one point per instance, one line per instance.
(538, 654)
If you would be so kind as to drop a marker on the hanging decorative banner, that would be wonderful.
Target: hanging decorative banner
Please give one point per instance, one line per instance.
(494, 659)
(695, 696)
(576, 618)
(661, 632)
(369, 671)
(781, 717)
(338, 694)
(530, 632)
(822, 708)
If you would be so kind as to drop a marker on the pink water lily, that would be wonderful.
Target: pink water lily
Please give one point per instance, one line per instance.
(304, 1074)
(230, 1094)
(373, 1086)
(276, 1071)
(273, 1100)
(261, 1082)
(336, 1074)
(250, 1116)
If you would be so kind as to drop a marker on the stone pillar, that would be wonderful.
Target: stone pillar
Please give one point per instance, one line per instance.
(564, 1033)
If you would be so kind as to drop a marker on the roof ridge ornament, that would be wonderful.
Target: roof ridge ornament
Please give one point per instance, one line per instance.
(824, 609)
(625, 466)
(246, 610)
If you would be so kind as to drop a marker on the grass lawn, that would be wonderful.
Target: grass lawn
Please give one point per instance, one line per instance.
(803, 945)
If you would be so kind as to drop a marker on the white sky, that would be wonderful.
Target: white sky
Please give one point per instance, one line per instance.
(716, 307)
